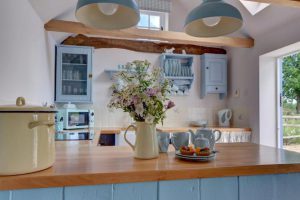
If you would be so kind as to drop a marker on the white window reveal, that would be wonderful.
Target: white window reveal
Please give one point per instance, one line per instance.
(254, 7)
(154, 20)
(154, 14)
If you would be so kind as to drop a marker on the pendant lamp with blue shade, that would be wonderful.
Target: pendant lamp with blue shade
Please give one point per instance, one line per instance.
(108, 14)
(213, 18)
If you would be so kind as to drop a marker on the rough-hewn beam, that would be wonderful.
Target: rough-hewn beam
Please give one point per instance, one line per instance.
(141, 46)
(293, 3)
(137, 34)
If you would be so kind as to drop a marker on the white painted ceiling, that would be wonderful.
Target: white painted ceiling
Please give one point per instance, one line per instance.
(268, 19)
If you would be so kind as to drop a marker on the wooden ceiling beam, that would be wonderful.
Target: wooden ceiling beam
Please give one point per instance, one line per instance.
(140, 46)
(141, 34)
(292, 3)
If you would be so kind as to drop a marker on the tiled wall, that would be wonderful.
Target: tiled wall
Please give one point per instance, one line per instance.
(188, 108)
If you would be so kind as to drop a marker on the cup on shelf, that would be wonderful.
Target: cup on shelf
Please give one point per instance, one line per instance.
(80, 91)
(75, 91)
(64, 89)
(69, 89)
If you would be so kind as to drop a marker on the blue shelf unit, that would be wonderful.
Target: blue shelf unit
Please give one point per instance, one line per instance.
(73, 74)
(213, 75)
(178, 68)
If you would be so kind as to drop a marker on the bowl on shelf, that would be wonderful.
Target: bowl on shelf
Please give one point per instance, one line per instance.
(199, 123)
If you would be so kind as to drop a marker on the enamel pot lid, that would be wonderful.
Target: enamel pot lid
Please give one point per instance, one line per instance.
(21, 107)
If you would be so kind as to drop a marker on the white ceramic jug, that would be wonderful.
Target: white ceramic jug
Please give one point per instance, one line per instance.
(146, 145)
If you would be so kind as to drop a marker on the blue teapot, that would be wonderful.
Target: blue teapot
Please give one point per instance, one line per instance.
(212, 135)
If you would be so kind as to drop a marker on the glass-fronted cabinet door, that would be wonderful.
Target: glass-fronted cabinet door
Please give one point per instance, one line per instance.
(73, 74)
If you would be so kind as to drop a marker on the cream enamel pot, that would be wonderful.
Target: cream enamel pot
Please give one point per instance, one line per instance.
(27, 138)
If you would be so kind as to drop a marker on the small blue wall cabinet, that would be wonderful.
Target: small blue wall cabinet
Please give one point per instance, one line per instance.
(73, 74)
(178, 68)
(213, 75)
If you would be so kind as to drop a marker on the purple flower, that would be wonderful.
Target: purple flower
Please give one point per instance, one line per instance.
(152, 92)
(170, 105)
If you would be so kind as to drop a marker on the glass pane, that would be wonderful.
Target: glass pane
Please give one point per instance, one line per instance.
(74, 58)
(144, 21)
(74, 87)
(74, 72)
(155, 21)
(78, 118)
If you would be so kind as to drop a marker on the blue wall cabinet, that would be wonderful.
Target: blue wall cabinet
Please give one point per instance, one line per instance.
(178, 68)
(73, 74)
(213, 75)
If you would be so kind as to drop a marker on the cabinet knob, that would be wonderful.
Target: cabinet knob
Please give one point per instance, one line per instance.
(206, 67)
(217, 88)
(90, 76)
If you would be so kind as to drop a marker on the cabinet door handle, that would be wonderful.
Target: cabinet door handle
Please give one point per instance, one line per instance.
(90, 76)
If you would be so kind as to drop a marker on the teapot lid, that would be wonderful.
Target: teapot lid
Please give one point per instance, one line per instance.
(21, 107)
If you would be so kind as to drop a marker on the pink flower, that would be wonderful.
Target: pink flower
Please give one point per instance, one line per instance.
(152, 92)
(170, 105)
(135, 100)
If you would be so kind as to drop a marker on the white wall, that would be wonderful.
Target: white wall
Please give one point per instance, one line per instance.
(268, 100)
(26, 55)
(244, 73)
(187, 107)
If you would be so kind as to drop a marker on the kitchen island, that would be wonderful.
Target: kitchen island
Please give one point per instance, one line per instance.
(83, 171)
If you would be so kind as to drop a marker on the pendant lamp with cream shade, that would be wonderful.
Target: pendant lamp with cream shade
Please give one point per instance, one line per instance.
(213, 18)
(108, 14)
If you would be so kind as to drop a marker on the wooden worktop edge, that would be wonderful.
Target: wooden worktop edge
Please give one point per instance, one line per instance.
(23, 182)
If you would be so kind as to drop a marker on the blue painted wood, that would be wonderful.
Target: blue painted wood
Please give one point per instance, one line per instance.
(219, 188)
(287, 186)
(179, 190)
(85, 81)
(257, 187)
(38, 194)
(99, 192)
(182, 76)
(4, 195)
(135, 191)
(213, 75)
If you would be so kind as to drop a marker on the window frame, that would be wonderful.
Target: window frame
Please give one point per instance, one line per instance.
(164, 20)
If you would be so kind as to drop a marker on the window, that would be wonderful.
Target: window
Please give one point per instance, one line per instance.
(153, 20)
(254, 7)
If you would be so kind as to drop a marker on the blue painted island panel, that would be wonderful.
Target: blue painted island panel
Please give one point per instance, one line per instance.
(219, 188)
(38, 194)
(179, 190)
(5, 195)
(98, 192)
(287, 187)
(264, 187)
(257, 187)
(135, 191)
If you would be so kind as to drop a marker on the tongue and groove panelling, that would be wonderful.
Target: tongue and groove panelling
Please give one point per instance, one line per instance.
(265, 187)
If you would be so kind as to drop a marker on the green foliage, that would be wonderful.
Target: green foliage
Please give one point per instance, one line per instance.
(289, 108)
(142, 93)
(291, 78)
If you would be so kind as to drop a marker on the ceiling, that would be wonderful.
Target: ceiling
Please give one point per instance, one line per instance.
(269, 18)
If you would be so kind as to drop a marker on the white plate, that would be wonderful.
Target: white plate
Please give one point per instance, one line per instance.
(195, 157)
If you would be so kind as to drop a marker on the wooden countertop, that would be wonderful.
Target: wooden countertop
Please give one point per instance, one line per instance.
(79, 163)
(185, 129)
(117, 130)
